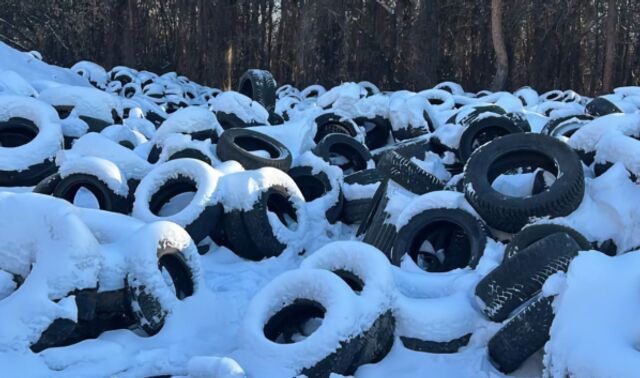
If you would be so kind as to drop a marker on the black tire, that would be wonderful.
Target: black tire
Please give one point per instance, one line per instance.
(508, 213)
(55, 335)
(522, 336)
(451, 346)
(146, 307)
(517, 279)
(378, 130)
(48, 184)
(417, 148)
(377, 231)
(533, 233)
(260, 86)
(314, 186)
(407, 174)
(600, 106)
(561, 127)
(484, 130)
(520, 120)
(190, 153)
(354, 211)
(458, 233)
(237, 144)
(107, 198)
(256, 222)
(331, 123)
(230, 121)
(355, 154)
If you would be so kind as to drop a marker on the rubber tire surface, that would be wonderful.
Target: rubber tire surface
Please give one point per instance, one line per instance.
(533, 233)
(522, 336)
(260, 86)
(229, 149)
(357, 154)
(315, 186)
(494, 126)
(518, 279)
(407, 174)
(508, 213)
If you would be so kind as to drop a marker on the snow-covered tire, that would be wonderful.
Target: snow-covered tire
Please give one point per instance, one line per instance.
(201, 216)
(535, 232)
(601, 106)
(440, 347)
(238, 144)
(521, 336)
(332, 123)
(315, 186)
(357, 156)
(30, 137)
(377, 129)
(229, 121)
(47, 185)
(277, 218)
(458, 233)
(517, 279)
(355, 210)
(407, 174)
(287, 303)
(368, 273)
(510, 214)
(565, 126)
(190, 153)
(100, 176)
(483, 130)
(167, 246)
(411, 148)
(260, 86)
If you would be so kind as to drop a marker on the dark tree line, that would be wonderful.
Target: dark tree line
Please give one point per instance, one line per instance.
(586, 45)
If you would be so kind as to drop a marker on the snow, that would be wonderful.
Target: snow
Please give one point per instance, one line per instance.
(58, 248)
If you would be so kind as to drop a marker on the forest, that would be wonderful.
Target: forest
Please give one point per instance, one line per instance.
(590, 46)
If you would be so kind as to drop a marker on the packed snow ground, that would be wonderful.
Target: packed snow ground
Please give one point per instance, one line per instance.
(61, 247)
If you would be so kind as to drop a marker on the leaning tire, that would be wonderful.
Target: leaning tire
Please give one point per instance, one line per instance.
(237, 144)
(508, 213)
(260, 86)
(332, 123)
(153, 295)
(518, 279)
(458, 233)
(354, 155)
(522, 336)
(407, 174)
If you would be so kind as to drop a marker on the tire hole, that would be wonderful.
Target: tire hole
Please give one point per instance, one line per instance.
(283, 209)
(355, 283)
(294, 322)
(440, 247)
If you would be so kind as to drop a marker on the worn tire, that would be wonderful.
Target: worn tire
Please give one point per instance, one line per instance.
(600, 106)
(236, 144)
(377, 129)
(517, 279)
(508, 213)
(407, 174)
(332, 123)
(522, 336)
(482, 131)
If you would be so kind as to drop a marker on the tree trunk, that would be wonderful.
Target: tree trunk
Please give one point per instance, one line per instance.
(610, 46)
(502, 61)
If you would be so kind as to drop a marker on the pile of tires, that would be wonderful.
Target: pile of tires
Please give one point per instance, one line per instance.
(382, 206)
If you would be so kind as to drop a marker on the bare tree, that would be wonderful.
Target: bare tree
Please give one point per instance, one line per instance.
(610, 46)
(502, 60)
